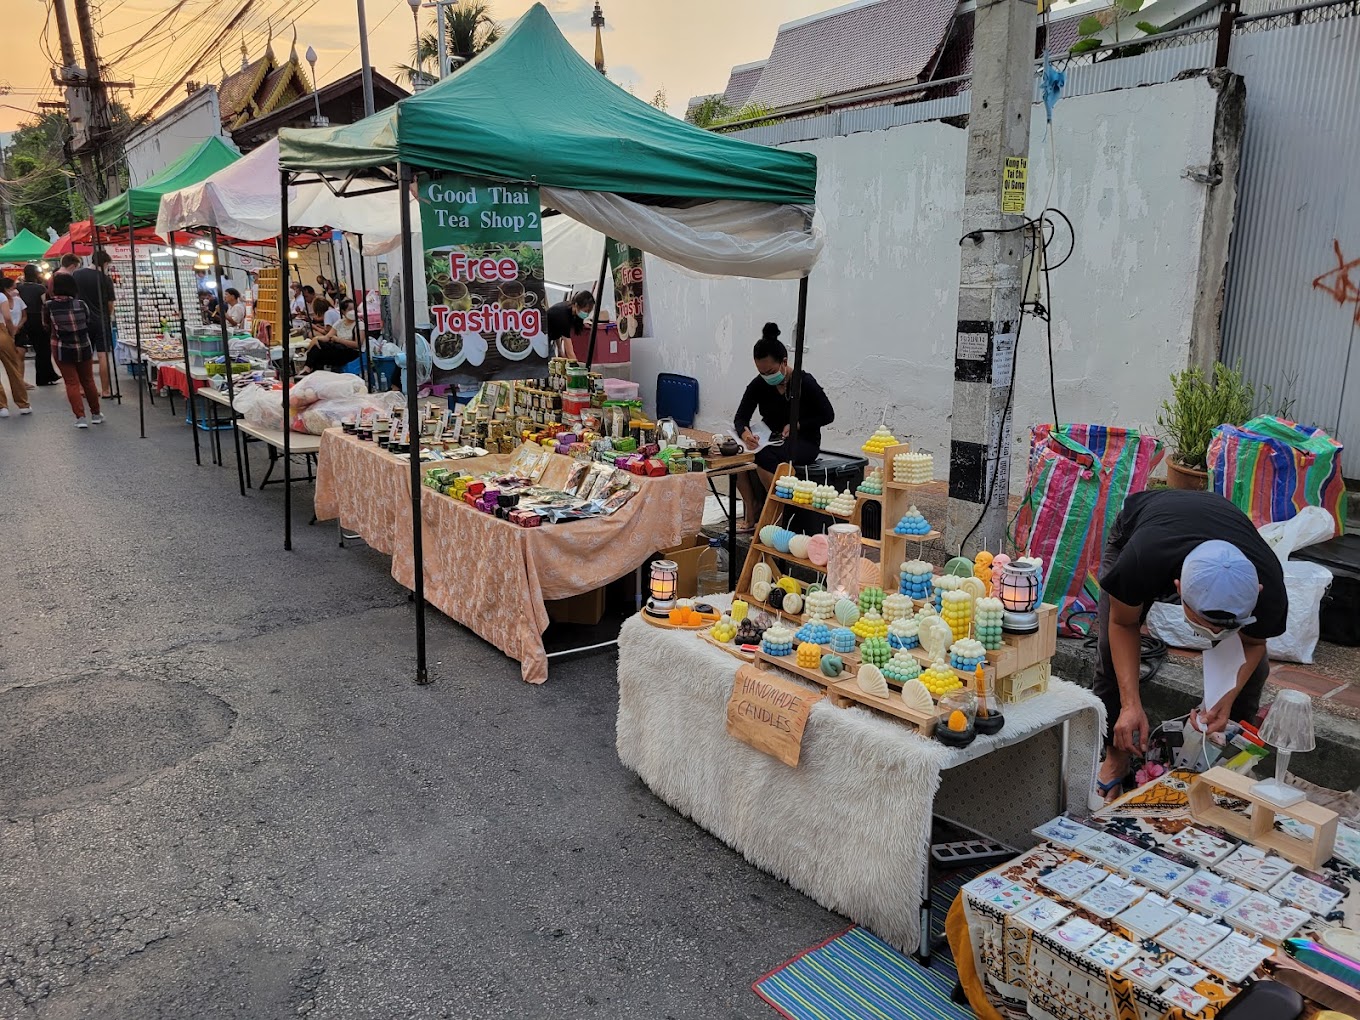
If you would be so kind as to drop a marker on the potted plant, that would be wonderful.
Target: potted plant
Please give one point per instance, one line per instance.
(1199, 404)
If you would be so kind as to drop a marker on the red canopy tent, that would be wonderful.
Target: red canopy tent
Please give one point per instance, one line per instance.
(78, 240)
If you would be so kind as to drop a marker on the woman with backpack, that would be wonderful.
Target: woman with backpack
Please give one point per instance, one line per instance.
(68, 320)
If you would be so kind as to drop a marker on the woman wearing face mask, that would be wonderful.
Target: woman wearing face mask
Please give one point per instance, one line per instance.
(339, 345)
(568, 320)
(771, 393)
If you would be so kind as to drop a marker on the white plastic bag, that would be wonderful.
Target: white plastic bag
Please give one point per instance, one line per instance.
(261, 407)
(1304, 582)
(325, 386)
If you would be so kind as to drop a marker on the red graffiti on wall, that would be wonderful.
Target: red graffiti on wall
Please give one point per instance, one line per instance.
(1340, 283)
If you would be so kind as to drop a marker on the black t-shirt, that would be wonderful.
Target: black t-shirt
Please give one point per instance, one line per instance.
(1156, 530)
(96, 290)
(814, 409)
(34, 332)
(562, 322)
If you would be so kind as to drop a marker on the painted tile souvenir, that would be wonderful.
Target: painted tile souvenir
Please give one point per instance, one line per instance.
(1185, 972)
(1010, 899)
(1145, 974)
(1347, 846)
(1110, 850)
(1211, 894)
(1267, 917)
(1156, 871)
(1150, 915)
(1077, 934)
(1110, 896)
(1111, 952)
(1186, 998)
(984, 885)
(1065, 832)
(1193, 937)
(1201, 845)
(1042, 914)
(1072, 879)
(1236, 958)
(1308, 891)
(1254, 867)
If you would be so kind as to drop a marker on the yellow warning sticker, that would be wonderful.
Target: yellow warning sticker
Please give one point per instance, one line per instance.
(1013, 179)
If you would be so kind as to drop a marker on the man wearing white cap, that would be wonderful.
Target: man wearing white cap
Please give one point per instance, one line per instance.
(1197, 545)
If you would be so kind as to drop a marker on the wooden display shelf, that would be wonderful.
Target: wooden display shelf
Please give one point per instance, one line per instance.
(903, 486)
(844, 690)
(929, 536)
(787, 557)
(1259, 829)
(731, 649)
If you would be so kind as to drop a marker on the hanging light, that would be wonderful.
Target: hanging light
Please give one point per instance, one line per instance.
(205, 258)
(665, 578)
(1020, 582)
(293, 254)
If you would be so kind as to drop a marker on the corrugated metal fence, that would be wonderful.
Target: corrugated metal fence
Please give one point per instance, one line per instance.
(1292, 312)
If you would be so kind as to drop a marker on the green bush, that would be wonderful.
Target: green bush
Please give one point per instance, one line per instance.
(1198, 405)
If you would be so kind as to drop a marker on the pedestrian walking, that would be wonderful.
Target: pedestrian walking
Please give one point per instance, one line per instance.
(96, 290)
(69, 322)
(34, 335)
(11, 318)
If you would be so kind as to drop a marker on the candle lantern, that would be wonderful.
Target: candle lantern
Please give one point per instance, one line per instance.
(1019, 594)
(665, 577)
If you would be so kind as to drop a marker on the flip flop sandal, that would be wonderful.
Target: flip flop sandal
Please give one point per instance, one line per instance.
(1122, 785)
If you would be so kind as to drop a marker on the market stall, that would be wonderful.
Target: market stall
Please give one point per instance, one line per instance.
(589, 150)
(138, 207)
(25, 246)
(1150, 909)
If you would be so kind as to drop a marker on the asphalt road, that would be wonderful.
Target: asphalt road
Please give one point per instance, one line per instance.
(222, 796)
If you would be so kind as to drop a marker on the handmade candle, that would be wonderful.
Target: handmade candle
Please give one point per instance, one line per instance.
(843, 505)
(871, 680)
(939, 679)
(999, 562)
(815, 631)
(817, 550)
(879, 441)
(870, 625)
(809, 655)
(870, 598)
(903, 633)
(847, 612)
(783, 486)
(820, 605)
(967, 654)
(902, 667)
(916, 575)
(912, 523)
(873, 484)
(738, 610)
(823, 495)
(875, 650)
(987, 614)
(896, 607)
(777, 640)
(724, 630)
(941, 584)
(842, 565)
(793, 603)
(913, 468)
(982, 567)
(957, 610)
(843, 640)
(798, 546)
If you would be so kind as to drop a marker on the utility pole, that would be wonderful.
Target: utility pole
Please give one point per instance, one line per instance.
(101, 125)
(990, 287)
(10, 229)
(364, 62)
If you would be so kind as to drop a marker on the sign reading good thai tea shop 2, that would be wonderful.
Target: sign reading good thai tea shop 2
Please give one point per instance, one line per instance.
(484, 276)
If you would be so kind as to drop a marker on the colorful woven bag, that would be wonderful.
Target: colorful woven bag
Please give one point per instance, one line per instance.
(1271, 469)
(1079, 477)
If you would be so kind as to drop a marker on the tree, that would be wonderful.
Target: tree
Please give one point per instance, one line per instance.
(660, 101)
(469, 29)
(708, 111)
(39, 185)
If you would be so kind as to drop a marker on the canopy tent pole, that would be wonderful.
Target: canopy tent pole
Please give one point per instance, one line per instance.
(599, 303)
(184, 342)
(408, 300)
(137, 330)
(286, 362)
(349, 258)
(796, 382)
(95, 247)
(364, 352)
(226, 353)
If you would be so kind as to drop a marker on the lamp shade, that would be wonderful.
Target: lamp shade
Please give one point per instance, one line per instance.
(1289, 723)
(665, 576)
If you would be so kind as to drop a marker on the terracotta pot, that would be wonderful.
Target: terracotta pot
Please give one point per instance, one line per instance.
(1178, 476)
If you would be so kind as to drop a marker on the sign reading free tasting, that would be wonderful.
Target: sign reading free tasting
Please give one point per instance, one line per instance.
(484, 277)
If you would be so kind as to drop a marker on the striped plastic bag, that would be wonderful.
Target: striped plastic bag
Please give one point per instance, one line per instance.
(1271, 469)
(1079, 477)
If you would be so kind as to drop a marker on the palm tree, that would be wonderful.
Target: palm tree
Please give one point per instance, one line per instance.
(469, 29)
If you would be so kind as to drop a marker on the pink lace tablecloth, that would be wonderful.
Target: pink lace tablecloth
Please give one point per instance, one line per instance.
(489, 575)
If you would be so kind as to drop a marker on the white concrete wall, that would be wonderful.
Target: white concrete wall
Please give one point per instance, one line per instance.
(165, 139)
(883, 296)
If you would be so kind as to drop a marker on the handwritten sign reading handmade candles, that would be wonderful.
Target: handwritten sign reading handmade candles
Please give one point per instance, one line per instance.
(769, 713)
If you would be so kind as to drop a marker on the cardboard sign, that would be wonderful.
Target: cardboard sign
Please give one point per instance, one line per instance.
(769, 713)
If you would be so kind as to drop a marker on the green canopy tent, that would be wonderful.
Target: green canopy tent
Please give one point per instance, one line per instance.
(139, 206)
(530, 109)
(25, 246)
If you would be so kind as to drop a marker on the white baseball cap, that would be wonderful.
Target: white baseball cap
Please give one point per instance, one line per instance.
(1220, 583)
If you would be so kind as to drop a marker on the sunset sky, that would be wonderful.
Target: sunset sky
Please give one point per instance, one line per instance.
(683, 46)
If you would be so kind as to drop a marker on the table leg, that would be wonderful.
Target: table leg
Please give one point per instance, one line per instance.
(923, 950)
(732, 532)
(244, 453)
(169, 392)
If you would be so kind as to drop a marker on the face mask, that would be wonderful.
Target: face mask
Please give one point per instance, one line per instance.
(774, 378)
(583, 316)
(1212, 636)
(349, 316)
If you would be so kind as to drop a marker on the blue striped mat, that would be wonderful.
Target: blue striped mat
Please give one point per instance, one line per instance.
(858, 976)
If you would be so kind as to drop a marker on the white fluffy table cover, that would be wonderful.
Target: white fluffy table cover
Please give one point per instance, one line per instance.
(850, 825)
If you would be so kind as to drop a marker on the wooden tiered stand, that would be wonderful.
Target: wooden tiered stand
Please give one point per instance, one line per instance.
(267, 307)
(1017, 670)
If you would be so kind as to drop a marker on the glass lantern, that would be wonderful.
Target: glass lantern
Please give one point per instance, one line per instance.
(1019, 594)
(955, 708)
(989, 718)
(665, 578)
